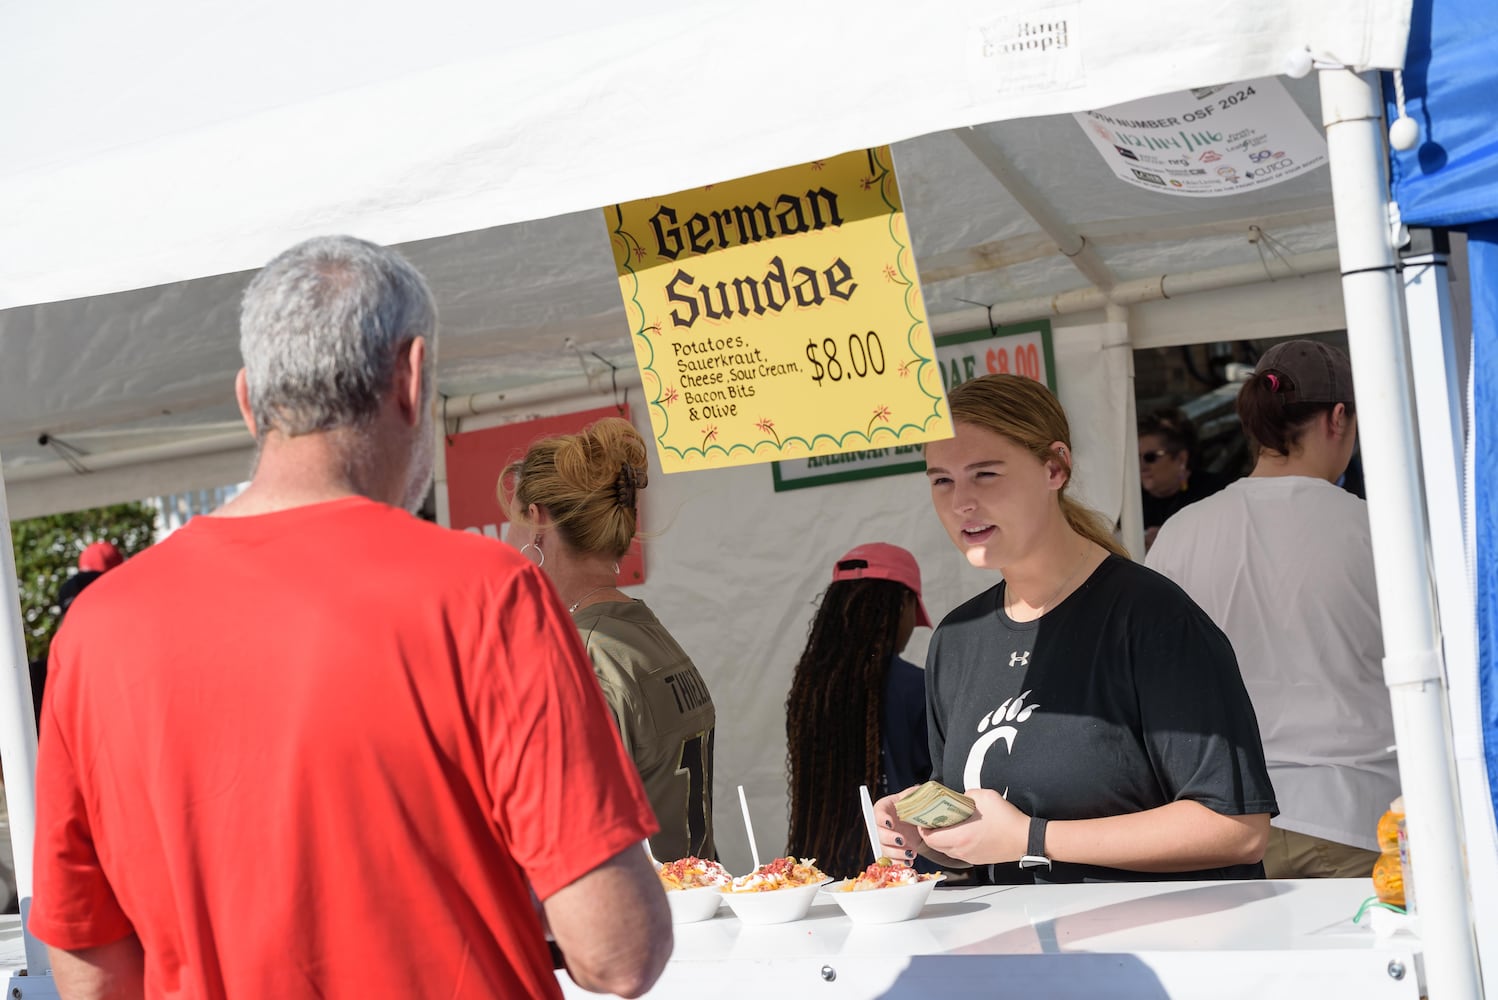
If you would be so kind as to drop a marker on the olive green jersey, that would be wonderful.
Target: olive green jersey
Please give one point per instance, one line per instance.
(665, 716)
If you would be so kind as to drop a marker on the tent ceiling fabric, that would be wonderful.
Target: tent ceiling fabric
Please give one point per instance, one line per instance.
(115, 186)
(175, 140)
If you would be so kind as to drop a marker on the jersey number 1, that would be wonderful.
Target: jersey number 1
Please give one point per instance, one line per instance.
(695, 762)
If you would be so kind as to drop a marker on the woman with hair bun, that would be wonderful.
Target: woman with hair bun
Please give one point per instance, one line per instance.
(573, 506)
(1095, 715)
(1283, 562)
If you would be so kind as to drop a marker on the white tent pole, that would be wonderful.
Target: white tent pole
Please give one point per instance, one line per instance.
(1352, 113)
(18, 736)
(1137, 291)
(1131, 516)
(439, 477)
(191, 447)
(455, 409)
(1438, 400)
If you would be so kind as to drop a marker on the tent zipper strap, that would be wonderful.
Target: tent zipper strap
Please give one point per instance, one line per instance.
(1417, 667)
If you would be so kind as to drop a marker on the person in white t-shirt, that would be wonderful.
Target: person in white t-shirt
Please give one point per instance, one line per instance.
(1283, 563)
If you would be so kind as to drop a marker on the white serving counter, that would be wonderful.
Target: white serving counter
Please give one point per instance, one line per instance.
(1270, 940)
(1217, 940)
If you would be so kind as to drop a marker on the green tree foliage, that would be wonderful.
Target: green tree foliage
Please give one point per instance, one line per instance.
(47, 550)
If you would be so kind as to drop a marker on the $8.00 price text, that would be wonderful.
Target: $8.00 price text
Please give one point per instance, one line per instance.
(864, 357)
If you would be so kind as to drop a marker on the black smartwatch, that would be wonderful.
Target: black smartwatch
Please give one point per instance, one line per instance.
(1035, 856)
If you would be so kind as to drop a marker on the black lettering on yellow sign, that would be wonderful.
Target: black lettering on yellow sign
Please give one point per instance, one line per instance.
(713, 412)
(750, 296)
(743, 224)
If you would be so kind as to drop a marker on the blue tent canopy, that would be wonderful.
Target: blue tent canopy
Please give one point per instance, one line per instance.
(1450, 179)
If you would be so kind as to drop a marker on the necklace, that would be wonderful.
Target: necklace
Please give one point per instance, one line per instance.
(1045, 605)
(589, 594)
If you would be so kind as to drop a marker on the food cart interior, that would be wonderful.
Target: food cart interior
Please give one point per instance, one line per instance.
(483, 143)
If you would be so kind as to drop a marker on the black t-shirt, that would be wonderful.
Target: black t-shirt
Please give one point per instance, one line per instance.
(1122, 698)
(1158, 510)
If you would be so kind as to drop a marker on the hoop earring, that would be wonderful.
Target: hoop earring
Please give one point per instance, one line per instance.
(532, 545)
(616, 567)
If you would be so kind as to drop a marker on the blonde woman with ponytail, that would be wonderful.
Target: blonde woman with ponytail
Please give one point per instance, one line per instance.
(573, 507)
(1093, 713)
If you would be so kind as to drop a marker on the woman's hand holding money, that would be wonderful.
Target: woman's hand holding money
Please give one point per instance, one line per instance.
(996, 831)
(897, 839)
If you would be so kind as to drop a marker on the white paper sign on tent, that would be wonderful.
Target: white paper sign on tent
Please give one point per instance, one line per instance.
(1209, 142)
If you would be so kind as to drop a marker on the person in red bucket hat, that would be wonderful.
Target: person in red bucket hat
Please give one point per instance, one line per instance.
(882, 561)
(856, 713)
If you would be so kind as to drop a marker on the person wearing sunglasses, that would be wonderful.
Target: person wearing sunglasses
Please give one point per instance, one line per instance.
(1168, 477)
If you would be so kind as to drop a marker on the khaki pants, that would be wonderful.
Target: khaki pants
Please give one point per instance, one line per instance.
(1298, 855)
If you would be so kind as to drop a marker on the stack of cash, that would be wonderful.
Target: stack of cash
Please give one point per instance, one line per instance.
(934, 805)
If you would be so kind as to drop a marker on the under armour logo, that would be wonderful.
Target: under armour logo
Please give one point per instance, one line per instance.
(1019, 659)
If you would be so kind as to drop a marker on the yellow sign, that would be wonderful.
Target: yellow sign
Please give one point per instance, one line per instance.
(779, 316)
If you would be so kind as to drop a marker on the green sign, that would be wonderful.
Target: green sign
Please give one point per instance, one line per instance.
(1019, 348)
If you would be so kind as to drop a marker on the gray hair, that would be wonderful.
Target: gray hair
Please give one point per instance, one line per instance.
(321, 328)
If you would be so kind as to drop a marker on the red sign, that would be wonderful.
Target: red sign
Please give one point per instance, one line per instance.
(476, 460)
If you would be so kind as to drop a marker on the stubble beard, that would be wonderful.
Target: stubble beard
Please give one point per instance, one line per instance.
(423, 463)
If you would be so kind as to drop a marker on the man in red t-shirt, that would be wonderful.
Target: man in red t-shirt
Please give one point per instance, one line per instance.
(314, 746)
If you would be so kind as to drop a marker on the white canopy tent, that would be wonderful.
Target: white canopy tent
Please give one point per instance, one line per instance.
(163, 152)
(162, 145)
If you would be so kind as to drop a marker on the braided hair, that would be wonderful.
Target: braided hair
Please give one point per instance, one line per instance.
(833, 721)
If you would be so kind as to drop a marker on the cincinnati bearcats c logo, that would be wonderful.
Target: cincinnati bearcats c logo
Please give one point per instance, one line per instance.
(1014, 710)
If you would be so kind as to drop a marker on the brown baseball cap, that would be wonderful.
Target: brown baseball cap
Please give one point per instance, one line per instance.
(1308, 371)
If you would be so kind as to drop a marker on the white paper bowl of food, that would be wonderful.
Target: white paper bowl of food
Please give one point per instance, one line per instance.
(773, 906)
(694, 888)
(689, 906)
(886, 905)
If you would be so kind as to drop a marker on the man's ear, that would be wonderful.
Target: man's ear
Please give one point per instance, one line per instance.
(242, 397)
(408, 368)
